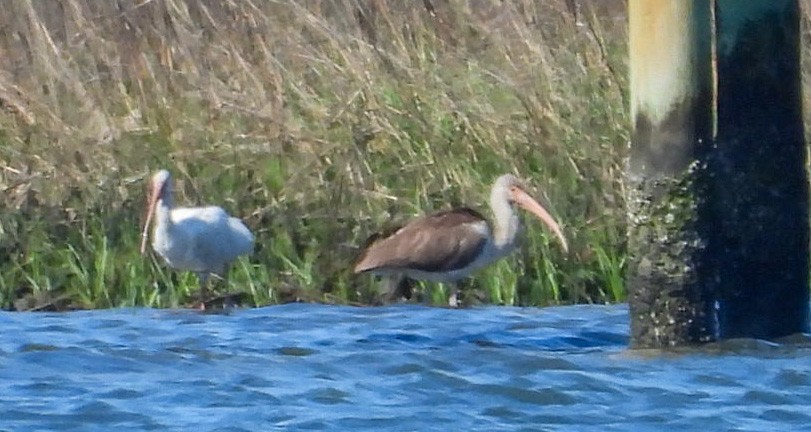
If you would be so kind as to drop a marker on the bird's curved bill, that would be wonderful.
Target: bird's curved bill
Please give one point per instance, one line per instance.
(152, 202)
(529, 204)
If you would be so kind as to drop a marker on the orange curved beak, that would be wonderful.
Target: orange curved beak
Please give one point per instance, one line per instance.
(529, 204)
(152, 202)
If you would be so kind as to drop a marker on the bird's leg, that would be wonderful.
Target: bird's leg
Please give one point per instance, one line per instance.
(396, 288)
(226, 298)
(390, 285)
(203, 293)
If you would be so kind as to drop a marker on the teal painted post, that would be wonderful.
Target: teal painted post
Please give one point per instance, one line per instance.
(758, 204)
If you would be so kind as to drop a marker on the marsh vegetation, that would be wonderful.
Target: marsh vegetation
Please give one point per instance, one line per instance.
(317, 123)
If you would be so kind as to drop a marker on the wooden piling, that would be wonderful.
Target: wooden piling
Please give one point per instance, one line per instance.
(671, 109)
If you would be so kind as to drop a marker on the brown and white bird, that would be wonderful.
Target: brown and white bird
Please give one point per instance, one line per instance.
(204, 240)
(449, 245)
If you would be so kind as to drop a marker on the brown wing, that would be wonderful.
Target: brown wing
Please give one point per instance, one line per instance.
(438, 242)
(380, 235)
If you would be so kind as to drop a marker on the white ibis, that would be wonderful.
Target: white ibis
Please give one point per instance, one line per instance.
(449, 245)
(204, 240)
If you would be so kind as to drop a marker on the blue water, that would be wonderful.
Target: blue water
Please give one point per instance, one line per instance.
(398, 368)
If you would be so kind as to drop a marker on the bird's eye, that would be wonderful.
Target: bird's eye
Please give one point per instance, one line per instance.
(511, 195)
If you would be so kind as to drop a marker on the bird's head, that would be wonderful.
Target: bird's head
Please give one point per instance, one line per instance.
(159, 180)
(158, 188)
(510, 188)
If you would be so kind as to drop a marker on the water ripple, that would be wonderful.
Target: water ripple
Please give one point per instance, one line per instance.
(315, 367)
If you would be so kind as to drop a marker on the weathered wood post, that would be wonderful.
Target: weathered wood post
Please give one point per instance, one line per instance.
(758, 204)
(718, 225)
(671, 110)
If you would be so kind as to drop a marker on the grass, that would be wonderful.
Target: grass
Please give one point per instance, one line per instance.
(317, 123)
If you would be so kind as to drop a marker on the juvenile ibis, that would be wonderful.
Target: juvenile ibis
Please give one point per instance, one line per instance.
(449, 245)
(204, 240)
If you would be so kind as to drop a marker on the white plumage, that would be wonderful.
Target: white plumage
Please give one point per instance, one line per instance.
(204, 240)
